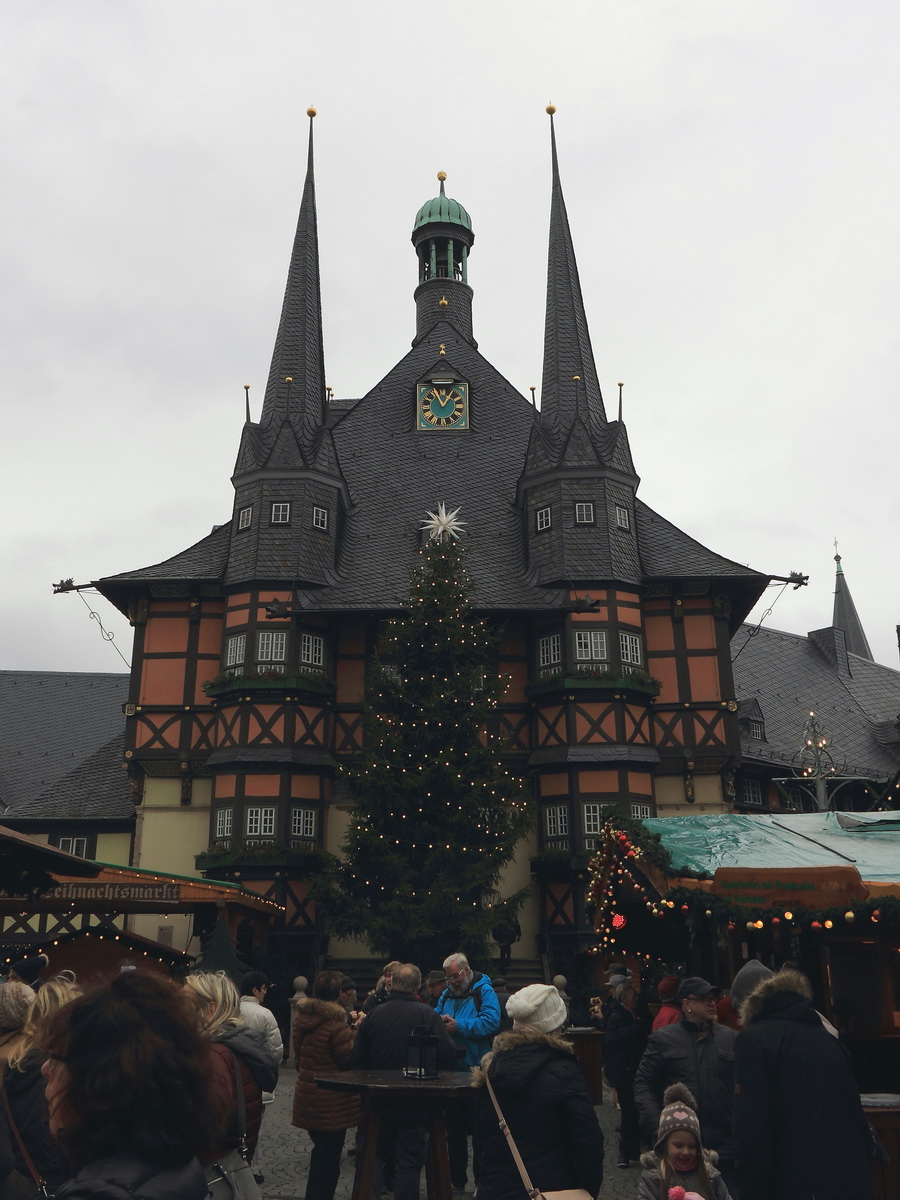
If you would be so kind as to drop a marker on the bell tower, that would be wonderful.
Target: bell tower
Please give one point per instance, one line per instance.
(442, 235)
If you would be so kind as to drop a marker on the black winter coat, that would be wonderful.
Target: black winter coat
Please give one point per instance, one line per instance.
(543, 1094)
(796, 1097)
(624, 1040)
(675, 1054)
(381, 1038)
(123, 1178)
(24, 1086)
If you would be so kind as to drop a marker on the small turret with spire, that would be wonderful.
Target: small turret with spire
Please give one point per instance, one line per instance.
(290, 494)
(845, 616)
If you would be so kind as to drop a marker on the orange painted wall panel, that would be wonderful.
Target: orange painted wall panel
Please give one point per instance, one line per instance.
(556, 784)
(586, 729)
(224, 786)
(166, 635)
(162, 681)
(262, 785)
(205, 670)
(598, 781)
(704, 678)
(518, 677)
(351, 680)
(352, 637)
(658, 632)
(640, 783)
(700, 632)
(210, 636)
(665, 671)
(305, 787)
(238, 611)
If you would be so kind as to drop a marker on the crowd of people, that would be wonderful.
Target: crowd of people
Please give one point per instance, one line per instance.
(145, 1088)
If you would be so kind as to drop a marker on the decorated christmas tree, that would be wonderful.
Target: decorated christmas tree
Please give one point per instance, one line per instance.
(437, 814)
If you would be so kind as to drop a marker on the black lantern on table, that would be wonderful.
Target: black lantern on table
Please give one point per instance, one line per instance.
(421, 1054)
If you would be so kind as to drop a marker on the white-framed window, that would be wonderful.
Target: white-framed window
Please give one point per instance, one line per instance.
(303, 823)
(630, 649)
(260, 822)
(584, 514)
(224, 822)
(623, 521)
(641, 811)
(549, 650)
(235, 649)
(245, 517)
(752, 792)
(542, 518)
(591, 646)
(281, 513)
(757, 730)
(592, 818)
(556, 820)
(319, 517)
(74, 845)
(271, 650)
(312, 649)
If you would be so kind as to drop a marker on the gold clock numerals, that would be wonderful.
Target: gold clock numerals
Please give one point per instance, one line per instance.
(442, 406)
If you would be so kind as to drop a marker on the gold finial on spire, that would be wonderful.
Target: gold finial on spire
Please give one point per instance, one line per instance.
(550, 110)
(310, 112)
(442, 175)
(288, 379)
(442, 349)
(443, 302)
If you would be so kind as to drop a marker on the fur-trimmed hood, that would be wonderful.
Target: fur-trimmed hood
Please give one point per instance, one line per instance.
(551, 1043)
(312, 1012)
(776, 992)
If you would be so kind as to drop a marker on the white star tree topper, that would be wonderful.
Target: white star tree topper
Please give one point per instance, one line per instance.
(443, 525)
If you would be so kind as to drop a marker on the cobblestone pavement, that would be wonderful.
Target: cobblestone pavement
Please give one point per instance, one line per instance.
(284, 1153)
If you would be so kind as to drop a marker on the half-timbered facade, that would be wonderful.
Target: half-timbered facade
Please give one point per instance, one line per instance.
(251, 646)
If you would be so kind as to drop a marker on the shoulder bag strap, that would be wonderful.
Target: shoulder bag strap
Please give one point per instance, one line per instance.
(39, 1181)
(523, 1171)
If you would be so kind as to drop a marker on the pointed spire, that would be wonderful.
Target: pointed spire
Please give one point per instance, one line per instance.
(298, 352)
(567, 342)
(845, 616)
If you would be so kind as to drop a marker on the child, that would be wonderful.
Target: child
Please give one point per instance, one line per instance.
(678, 1160)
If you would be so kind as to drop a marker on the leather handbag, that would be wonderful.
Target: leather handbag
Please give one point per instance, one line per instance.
(230, 1177)
(533, 1192)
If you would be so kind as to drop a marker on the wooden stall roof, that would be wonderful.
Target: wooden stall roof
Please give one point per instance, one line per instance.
(132, 890)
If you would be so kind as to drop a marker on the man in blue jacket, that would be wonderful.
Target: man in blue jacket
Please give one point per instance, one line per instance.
(469, 1008)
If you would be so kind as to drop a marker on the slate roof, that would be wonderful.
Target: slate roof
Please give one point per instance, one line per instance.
(62, 746)
(788, 675)
(205, 561)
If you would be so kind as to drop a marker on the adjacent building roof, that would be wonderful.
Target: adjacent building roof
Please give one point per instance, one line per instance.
(855, 699)
(62, 744)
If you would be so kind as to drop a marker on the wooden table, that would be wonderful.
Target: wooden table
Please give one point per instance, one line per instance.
(383, 1087)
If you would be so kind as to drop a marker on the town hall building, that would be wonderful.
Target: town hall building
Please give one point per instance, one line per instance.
(251, 647)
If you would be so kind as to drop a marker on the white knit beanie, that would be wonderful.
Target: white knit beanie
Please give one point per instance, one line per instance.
(539, 1005)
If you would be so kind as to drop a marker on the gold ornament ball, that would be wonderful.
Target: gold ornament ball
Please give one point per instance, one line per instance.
(310, 112)
(550, 110)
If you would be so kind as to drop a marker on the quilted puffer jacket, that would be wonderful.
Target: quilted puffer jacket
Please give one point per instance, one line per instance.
(322, 1043)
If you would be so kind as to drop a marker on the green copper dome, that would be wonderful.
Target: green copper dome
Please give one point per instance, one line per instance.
(442, 210)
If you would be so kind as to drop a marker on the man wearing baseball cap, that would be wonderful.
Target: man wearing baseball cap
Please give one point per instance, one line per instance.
(699, 1053)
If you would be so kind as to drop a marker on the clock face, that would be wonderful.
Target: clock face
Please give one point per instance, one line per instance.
(442, 406)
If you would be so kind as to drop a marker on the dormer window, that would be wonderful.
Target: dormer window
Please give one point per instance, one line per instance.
(281, 513)
(542, 518)
(319, 517)
(757, 729)
(245, 517)
(584, 514)
(622, 518)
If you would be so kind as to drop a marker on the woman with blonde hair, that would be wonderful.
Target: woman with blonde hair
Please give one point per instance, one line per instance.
(24, 1107)
(231, 1043)
(15, 1001)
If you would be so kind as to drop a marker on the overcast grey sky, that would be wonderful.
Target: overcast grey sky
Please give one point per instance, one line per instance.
(732, 179)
